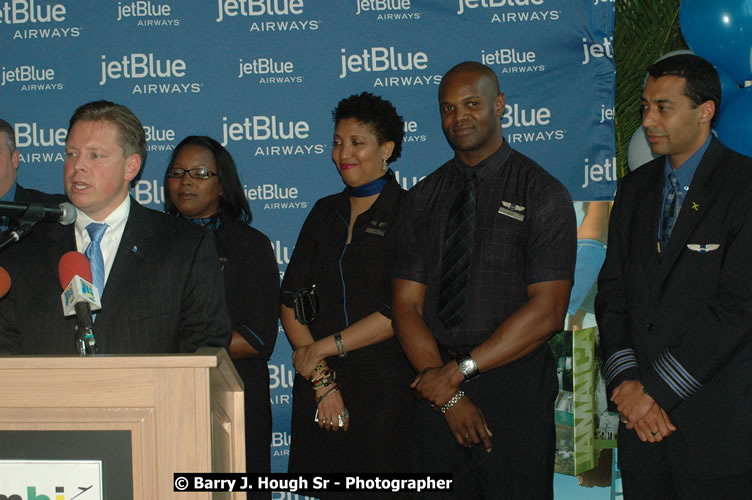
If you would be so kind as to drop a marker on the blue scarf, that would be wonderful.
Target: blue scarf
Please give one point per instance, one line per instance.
(373, 187)
(212, 222)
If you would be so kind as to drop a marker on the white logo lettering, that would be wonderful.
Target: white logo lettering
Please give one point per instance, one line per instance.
(381, 5)
(280, 376)
(27, 11)
(30, 134)
(507, 56)
(598, 173)
(262, 128)
(515, 116)
(141, 66)
(26, 74)
(474, 4)
(265, 66)
(382, 59)
(232, 8)
(597, 49)
(142, 8)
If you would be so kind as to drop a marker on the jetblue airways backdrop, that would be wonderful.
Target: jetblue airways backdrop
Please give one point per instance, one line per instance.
(262, 76)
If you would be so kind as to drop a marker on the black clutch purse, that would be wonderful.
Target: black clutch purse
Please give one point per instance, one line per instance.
(306, 305)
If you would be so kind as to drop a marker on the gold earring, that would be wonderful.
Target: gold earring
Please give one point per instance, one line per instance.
(384, 167)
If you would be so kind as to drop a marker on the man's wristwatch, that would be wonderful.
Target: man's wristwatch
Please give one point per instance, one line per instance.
(467, 365)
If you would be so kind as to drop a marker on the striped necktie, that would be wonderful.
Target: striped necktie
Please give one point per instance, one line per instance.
(671, 208)
(454, 294)
(94, 254)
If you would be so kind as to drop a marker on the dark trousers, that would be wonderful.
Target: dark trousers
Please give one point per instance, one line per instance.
(657, 479)
(521, 464)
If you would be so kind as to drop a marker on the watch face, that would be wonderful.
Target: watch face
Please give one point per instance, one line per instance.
(467, 367)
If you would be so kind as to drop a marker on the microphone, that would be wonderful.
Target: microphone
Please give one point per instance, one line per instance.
(65, 213)
(4, 282)
(79, 297)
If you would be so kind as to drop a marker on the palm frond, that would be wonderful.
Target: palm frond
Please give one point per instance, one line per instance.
(643, 31)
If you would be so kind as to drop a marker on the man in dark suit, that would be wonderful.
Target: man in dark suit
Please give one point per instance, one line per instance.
(674, 303)
(10, 190)
(161, 283)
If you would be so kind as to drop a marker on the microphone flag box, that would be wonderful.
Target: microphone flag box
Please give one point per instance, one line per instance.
(79, 290)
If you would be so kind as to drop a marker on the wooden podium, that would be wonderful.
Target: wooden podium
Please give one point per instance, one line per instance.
(184, 411)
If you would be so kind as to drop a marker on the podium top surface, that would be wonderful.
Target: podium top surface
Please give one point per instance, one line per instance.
(206, 357)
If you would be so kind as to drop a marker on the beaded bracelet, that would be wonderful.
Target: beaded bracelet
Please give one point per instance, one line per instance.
(453, 401)
(329, 378)
(316, 373)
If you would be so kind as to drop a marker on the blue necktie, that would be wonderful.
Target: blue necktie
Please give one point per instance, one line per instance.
(94, 254)
(671, 208)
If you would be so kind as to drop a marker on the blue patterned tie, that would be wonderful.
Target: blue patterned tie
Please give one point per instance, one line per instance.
(458, 251)
(671, 208)
(94, 254)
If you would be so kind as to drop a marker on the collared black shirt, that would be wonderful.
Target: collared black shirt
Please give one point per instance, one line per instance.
(525, 233)
(352, 281)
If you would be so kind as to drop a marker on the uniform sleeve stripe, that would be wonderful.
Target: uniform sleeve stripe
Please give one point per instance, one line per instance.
(618, 362)
(675, 376)
(693, 383)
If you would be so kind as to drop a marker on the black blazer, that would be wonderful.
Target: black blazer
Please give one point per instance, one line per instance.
(164, 292)
(695, 304)
(29, 195)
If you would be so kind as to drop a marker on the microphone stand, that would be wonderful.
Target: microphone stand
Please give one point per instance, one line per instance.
(26, 222)
(85, 342)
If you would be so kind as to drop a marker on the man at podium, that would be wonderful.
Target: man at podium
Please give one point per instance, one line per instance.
(159, 276)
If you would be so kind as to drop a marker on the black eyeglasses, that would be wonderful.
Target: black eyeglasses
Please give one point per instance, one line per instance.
(196, 173)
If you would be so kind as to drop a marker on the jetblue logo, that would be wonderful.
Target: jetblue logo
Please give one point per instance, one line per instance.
(597, 50)
(29, 11)
(600, 172)
(30, 78)
(146, 13)
(87, 290)
(142, 8)
(253, 8)
(494, 4)
(378, 59)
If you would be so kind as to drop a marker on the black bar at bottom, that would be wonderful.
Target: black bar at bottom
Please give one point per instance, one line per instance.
(387, 483)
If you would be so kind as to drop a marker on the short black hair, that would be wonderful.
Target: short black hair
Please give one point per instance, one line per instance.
(473, 67)
(377, 113)
(702, 81)
(232, 203)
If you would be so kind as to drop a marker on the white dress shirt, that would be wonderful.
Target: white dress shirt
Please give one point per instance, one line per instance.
(112, 236)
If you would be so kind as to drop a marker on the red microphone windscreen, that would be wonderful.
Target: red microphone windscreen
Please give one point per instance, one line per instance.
(4, 282)
(71, 264)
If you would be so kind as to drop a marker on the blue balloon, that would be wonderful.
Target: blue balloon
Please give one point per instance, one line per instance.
(721, 32)
(734, 124)
(729, 87)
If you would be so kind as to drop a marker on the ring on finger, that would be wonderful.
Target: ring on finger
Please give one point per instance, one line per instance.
(654, 433)
(467, 437)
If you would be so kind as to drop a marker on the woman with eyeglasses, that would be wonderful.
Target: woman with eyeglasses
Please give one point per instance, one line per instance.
(202, 185)
(351, 397)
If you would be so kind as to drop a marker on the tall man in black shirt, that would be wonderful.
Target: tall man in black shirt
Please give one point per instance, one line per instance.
(484, 309)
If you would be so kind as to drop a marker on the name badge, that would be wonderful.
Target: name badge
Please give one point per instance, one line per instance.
(512, 210)
(377, 227)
